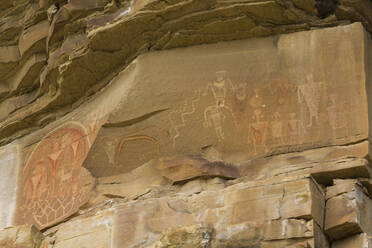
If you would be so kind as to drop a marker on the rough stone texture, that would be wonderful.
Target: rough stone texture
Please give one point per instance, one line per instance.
(348, 209)
(241, 124)
(20, 237)
(269, 213)
(359, 240)
(115, 131)
(164, 172)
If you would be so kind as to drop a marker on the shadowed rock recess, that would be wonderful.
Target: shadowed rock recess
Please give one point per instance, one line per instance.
(185, 123)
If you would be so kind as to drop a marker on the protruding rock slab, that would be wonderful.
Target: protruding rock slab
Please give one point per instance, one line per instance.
(357, 241)
(161, 172)
(93, 232)
(273, 213)
(325, 164)
(249, 99)
(181, 168)
(348, 209)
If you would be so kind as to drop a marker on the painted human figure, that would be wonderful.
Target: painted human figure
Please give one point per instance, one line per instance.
(36, 185)
(258, 131)
(281, 91)
(65, 179)
(220, 88)
(294, 129)
(240, 108)
(310, 93)
(109, 149)
(336, 116)
(213, 116)
(256, 100)
(277, 129)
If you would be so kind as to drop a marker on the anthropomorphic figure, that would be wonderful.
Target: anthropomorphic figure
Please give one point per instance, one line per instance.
(310, 93)
(214, 117)
(36, 184)
(294, 128)
(277, 129)
(256, 100)
(220, 88)
(240, 108)
(336, 115)
(258, 131)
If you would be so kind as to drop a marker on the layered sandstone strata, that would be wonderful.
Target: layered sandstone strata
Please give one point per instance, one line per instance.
(260, 142)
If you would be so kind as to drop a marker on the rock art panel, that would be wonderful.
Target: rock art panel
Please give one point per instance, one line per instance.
(249, 99)
(54, 183)
(46, 182)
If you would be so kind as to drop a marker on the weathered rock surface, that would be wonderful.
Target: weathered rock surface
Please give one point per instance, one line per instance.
(109, 137)
(116, 131)
(57, 53)
(21, 237)
(165, 172)
(271, 213)
(359, 240)
(348, 209)
(250, 99)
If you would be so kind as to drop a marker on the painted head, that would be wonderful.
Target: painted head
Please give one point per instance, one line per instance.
(309, 77)
(241, 91)
(221, 75)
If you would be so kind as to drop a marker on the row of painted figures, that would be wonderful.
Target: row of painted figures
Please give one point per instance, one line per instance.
(290, 131)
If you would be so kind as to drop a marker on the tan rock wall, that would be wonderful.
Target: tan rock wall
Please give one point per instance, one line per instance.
(252, 143)
(248, 98)
(20, 237)
(269, 213)
(81, 41)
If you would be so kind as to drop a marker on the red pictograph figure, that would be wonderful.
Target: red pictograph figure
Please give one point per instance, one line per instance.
(52, 187)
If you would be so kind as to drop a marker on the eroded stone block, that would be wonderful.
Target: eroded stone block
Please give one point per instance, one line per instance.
(250, 213)
(357, 241)
(348, 209)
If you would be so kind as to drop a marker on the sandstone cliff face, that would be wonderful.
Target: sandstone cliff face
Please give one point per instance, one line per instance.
(216, 123)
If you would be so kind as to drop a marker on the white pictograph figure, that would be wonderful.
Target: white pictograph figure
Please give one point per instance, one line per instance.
(277, 129)
(294, 128)
(110, 150)
(220, 88)
(177, 117)
(213, 117)
(336, 115)
(310, 93)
